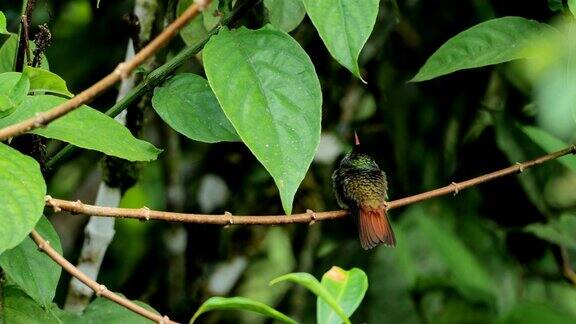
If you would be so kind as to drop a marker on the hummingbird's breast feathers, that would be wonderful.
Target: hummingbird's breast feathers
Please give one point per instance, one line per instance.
(366, 187)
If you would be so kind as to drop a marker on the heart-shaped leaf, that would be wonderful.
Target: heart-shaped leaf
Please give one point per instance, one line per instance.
(491, 42)
(268, 89)
(188, 105)
(347, 287)
(344, 26)
(285, 14)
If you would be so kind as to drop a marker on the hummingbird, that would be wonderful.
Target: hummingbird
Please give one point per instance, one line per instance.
(361, 187)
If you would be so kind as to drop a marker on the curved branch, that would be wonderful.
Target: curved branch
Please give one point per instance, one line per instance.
(122, 71)
(99, 289)
(309, 217)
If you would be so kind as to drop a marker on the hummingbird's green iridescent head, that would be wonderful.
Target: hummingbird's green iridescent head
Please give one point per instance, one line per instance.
(358, 160)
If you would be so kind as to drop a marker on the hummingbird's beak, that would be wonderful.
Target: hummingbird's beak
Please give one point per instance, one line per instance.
(356, 139)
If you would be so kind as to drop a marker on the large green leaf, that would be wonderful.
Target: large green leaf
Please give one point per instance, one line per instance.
(17, 307)
(3, 24)
(561, 231)
(347, 287)
(42, 80)
(31, 269)
(491, 42)
(268, 89)
(285, 14)
(22, 191)
(86, 128)
(550, 143)
(344, 26)
(187, 104)
(308, 281)
(240, 303)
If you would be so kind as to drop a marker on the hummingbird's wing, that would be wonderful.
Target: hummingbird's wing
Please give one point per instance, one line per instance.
(338, 185)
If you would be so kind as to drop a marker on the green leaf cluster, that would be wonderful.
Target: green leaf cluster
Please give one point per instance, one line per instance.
(338, 295)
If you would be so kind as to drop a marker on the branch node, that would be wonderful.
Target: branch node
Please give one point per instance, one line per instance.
(79, 207)
(230, 218)
(40, 121)
(101, 289)
(122, 70)
(312, 216)
(520, 167)
(48, 200)
(146, 212)
(44, 245)
(456, 188)
(165, 319)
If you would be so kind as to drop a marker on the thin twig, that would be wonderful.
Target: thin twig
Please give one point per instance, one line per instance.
(121, 71)
(99, 289)
(309, 217)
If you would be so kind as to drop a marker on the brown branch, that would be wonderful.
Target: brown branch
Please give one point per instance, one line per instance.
(309, 217)
(99, 289)
(121, 71)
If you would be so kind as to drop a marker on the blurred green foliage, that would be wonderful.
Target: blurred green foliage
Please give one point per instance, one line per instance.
(491, 253)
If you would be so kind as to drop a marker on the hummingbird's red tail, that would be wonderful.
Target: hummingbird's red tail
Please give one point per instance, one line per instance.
(374, 228)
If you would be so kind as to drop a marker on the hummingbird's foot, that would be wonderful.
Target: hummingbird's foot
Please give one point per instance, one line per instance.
(520, 167)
